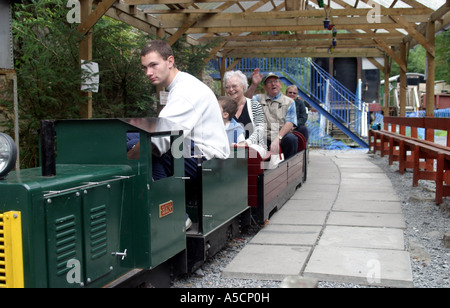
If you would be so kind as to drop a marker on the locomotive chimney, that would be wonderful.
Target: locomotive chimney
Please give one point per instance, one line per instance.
(48, 160)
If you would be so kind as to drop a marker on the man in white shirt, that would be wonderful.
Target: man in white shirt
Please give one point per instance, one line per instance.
(192, 105)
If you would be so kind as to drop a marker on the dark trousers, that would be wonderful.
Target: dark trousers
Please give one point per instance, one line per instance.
(289, 145)
(304, 131)
(163, 166)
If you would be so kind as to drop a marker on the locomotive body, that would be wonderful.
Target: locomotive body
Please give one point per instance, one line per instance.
(99, 216)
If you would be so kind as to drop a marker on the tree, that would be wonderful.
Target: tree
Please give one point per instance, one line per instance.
(417, 59)
(443, 56)
(48, 74)
(124, 89)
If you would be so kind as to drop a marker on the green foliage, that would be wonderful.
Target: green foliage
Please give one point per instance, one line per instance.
(46, 57)
(443, 56)
(417, 59)
(124, 89)
(416, 62)
(191, 58)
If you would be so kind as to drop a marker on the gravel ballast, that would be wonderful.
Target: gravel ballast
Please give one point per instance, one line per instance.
(426, 236)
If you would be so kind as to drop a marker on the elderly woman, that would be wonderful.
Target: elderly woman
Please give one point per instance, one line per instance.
(249, 114)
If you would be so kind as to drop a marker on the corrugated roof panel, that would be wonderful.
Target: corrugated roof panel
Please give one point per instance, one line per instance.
(432, 4)
(269, 6)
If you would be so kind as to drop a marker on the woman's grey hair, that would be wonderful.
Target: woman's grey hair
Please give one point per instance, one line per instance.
(242, 78)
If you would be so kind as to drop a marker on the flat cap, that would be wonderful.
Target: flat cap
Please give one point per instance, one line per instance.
(270, 75)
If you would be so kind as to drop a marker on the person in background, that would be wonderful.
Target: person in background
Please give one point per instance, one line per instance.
(302, 112)
(235, 132)
(249, 113)
(280, 115)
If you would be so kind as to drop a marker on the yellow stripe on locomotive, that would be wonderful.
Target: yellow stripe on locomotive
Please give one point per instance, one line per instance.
(11, 258)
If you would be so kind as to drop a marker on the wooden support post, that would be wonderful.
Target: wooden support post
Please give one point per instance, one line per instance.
(223, 68)
(430, 71)
(387, 75)
(159, 88)
(403, 81)
(85, 53)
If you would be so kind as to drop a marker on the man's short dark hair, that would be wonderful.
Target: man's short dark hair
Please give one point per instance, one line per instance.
(161, 47)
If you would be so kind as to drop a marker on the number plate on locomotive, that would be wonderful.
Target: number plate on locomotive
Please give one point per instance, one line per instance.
(165, 209)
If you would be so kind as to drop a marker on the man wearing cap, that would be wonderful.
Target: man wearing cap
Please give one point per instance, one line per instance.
(280, 116)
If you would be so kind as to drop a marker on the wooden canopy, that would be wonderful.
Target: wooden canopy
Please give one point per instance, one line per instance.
(284, 28)
(380, 30)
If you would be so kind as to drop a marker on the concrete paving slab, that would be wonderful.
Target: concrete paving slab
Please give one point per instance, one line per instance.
(267, 262)
(351, 160)
(365, 186)
(323, 167)
(378, 267)
(358, 219)
(367, 206)
(359, 168)
(350, 155)
(368, 196)
(314, 195)
(363, 237)
(322, 164)
(286, 217)
(381, 182)
(287, 235)
(357, 175)
(329, 188)
(332, 179)
(321, 173)
(308, 205)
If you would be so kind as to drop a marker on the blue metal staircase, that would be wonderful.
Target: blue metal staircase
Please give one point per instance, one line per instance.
(322, 91)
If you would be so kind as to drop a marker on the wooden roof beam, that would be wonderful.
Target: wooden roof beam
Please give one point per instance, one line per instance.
(292, 37)
(367, 42)
(383, 45)
(342, 23)
(94, 16)
(182, 30)
(250, 14)
(376, 63)
(307, 52)
(286, 27)
(422, 40)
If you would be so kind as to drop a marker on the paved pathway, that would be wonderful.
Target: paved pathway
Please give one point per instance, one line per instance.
(345, 224)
